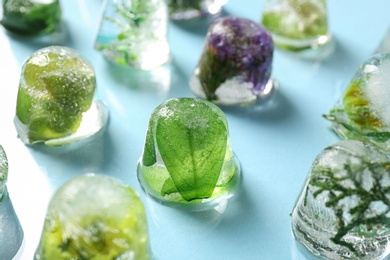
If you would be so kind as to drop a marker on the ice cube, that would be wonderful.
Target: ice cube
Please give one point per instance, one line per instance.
(343, 211)
(94, 216)
(187, 159)
(134, 33)
(56, 97)
(363, 111)
(28, 17)
(299, 26)
(11, 233)
(237, 57)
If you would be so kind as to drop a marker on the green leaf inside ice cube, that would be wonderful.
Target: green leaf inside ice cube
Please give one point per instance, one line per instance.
(31, 17)
(191, 137)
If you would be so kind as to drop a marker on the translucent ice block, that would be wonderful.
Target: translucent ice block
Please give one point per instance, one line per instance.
(343, 211)
(31, 17)
(134, 33)
(187, 157)
(94, 217)
(236, 64)
(299, 26)
(188, 9)
(363, 111)
(11, 233)
(55, 103)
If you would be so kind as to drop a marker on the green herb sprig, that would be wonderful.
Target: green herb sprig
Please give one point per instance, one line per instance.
(326, 181)
(130, 23)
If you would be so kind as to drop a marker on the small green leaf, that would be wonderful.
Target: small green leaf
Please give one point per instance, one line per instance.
(191, 137)
(149, 155)
(380, 137)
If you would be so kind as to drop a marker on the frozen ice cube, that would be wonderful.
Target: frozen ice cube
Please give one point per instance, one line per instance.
(237, 57)
(187, 159)
(11, 233)
(55, 97)
(134, 33)
(94, 217)
(299, 26)
(363, 111)
(28, 17)
(343, 211)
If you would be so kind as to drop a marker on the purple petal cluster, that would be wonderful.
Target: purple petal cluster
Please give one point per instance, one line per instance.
(246, 45)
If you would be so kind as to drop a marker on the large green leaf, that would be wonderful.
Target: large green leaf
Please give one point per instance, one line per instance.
(191, 137)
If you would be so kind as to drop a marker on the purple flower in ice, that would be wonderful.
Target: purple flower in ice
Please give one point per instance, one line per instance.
(236, 47)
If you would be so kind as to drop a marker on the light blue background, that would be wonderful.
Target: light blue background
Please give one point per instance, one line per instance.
(275, 146)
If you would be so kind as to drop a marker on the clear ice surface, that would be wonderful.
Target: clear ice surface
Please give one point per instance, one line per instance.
(134, 33)
(189, 9)
(55, 103)
(363, 111)
(343, 211)
(94, 217)
(187, 159)
(11, 233)
(299, 26)
(236, 64)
